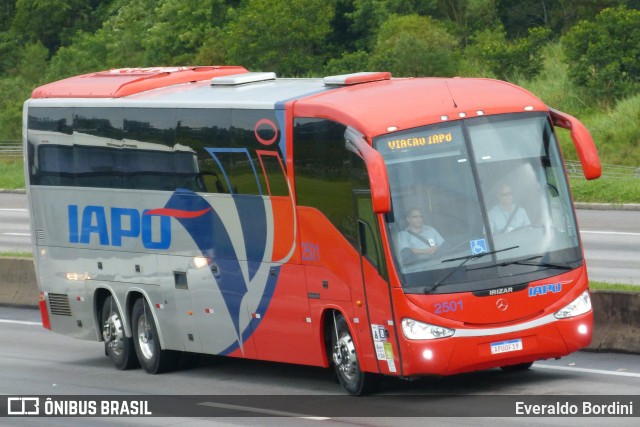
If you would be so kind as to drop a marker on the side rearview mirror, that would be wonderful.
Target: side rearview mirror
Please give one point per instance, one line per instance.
(376, 169)
(583, 142)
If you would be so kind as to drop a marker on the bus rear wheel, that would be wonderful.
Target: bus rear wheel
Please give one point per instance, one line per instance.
(345, 361)
(117, 345)
(152, 358)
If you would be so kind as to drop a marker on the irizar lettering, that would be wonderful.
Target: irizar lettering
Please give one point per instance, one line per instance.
(501, 291)
(121, 223)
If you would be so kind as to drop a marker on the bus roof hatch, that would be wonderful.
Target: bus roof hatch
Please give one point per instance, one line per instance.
(239, 79)
(356, 78)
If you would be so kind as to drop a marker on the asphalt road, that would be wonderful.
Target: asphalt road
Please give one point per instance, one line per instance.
(34, 361)
(611, 238)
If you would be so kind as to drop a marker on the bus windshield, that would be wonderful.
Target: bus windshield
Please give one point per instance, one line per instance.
(478, 204)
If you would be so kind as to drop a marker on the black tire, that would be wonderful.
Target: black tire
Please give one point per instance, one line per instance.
(117, 345)
(516, 368)
(345, 361)
(152, 358)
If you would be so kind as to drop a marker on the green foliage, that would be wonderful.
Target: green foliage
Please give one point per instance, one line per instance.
(592, 74)
(617, 287)
(518, 16)
(415, 45)
(490, 50)
(11, 173)
(553, 85)
(606, 190)
(16, 254)
(285, 37)
(617, 132)
(604, 53)
(180, 27)
(14, 91)
(348, 63)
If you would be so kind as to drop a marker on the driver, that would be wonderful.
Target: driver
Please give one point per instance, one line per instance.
(506, 216)
(418, 241)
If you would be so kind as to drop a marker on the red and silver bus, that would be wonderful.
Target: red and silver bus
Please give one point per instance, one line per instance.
(377, 225)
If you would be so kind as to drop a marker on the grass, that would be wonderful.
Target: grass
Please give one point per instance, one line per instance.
(606, 190)
(620, 287)
(11, 173)
(16, 254)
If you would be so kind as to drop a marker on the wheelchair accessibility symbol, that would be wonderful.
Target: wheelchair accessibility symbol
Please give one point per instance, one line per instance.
(478, 246)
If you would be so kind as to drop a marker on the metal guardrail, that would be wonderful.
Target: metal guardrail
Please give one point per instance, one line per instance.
(574, 169)
(10, 149)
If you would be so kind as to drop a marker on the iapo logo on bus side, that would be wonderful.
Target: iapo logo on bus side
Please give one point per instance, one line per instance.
(152, 226)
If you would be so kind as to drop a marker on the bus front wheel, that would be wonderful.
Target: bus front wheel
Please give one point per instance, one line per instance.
(345, 361)
(152, 358)
(117, 346)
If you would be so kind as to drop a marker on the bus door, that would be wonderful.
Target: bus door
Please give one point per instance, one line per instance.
(381, 329)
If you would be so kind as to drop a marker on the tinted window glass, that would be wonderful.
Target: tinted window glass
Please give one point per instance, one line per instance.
(327, 173)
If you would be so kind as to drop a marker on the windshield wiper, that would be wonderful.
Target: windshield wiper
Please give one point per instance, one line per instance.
(524, 262)
(535, 264)
(429, 289)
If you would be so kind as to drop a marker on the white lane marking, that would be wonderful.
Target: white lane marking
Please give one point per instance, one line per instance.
(618, 233)
(21, 322)
(17, 234)
(13, 210)
(588, 371)
(262, 411)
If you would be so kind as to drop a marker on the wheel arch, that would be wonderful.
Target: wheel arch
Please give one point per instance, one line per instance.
(328, 328)
(99, 296)
(133, 295)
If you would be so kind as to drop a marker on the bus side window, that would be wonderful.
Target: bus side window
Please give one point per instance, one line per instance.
(273, 170)
(237, 169)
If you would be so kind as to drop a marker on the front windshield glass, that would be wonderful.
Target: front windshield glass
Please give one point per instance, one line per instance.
(478, 204)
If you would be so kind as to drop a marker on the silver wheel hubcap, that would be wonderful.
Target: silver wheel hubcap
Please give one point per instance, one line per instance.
(344, 356)
(113, 333)
(145, 337)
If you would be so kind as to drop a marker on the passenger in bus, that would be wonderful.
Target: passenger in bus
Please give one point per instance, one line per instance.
(418, 241)
(507, 216)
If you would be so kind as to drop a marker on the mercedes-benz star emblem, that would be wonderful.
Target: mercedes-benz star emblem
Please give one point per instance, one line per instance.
(502, 304)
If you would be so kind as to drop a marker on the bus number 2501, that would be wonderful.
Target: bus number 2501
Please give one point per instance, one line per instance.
(310, 252)
(448, 306)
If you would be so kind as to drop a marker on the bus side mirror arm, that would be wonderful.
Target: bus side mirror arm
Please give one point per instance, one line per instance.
(376, 169)
(583, 142)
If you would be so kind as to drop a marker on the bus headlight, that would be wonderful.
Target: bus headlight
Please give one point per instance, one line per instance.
(578, 306)
(414, 330)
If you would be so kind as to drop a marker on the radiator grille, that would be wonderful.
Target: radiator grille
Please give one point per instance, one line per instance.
(59, 304)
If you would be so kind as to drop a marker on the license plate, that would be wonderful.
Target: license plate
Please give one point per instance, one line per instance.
(506, 346)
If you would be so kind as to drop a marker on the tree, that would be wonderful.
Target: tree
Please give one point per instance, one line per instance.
(415, 45)
(518, 16)
(367, 16)
(490, 50)
(180, 28)
(286, 37)
(603, 54)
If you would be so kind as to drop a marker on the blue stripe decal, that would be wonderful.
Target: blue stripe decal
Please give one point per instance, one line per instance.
(252, 215)
(213, 240)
